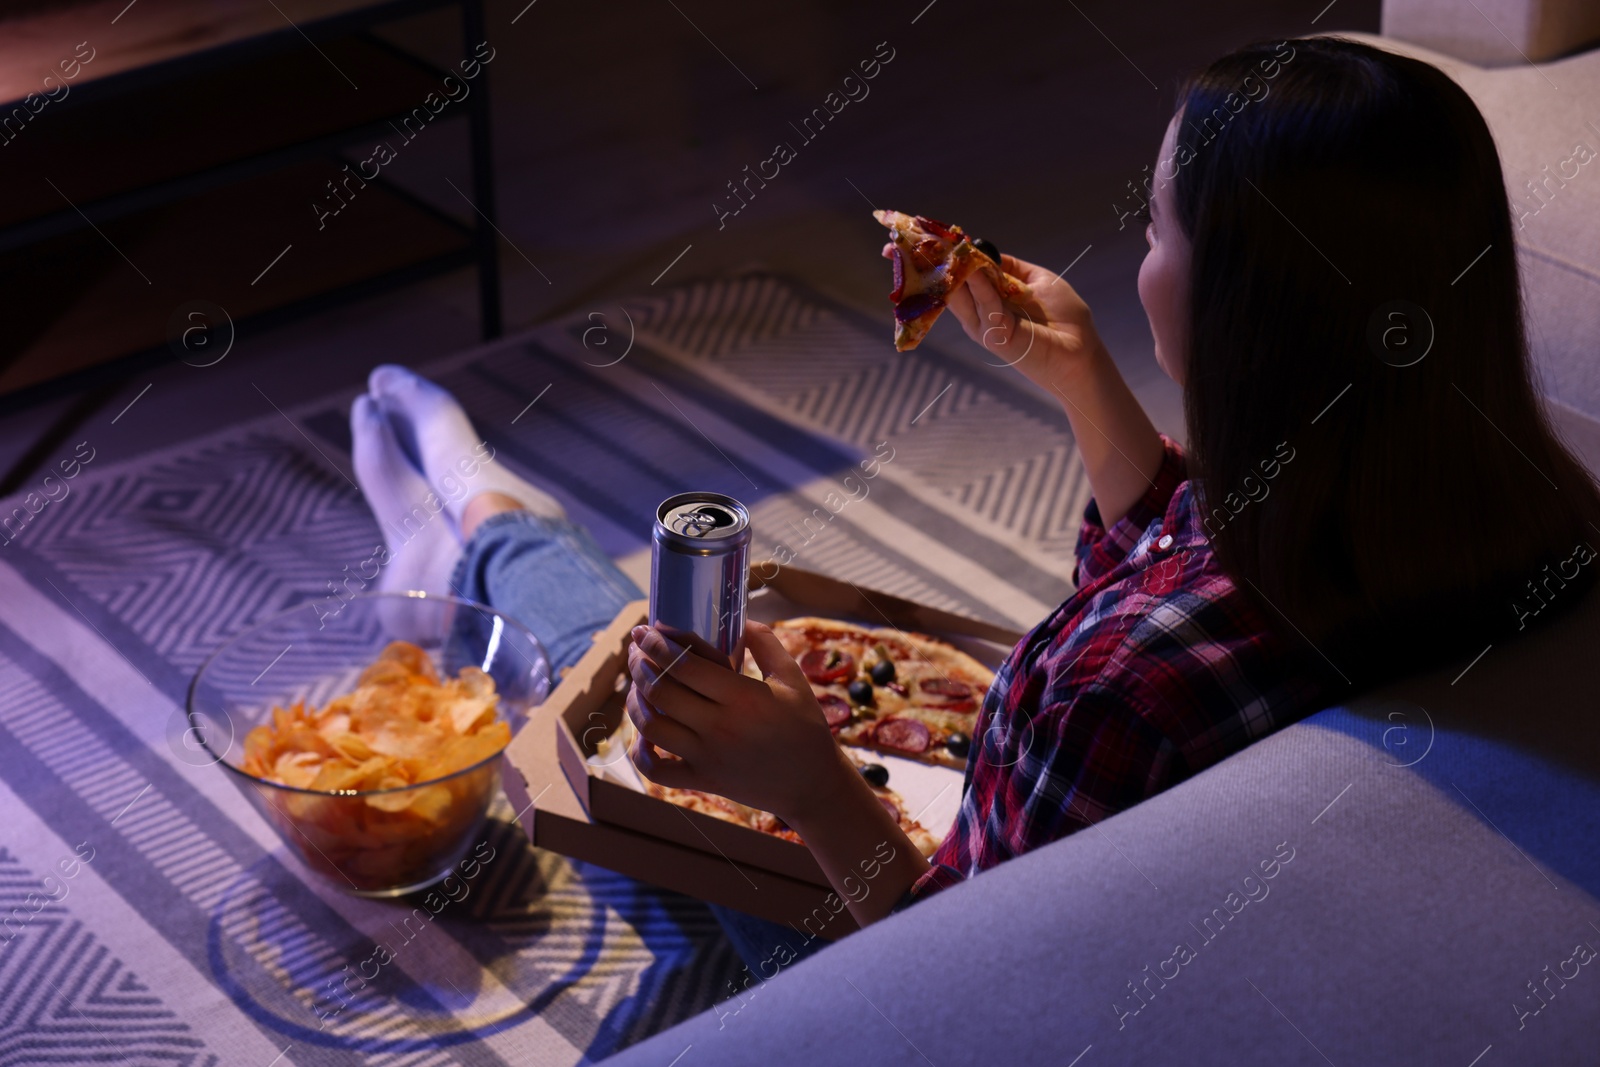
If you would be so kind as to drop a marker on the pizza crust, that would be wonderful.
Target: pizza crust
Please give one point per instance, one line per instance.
(932, 648)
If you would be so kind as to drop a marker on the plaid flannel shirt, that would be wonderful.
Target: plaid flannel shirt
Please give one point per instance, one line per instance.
(1156, 668)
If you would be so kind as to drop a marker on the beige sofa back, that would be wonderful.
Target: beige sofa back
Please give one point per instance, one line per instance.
(1494, 33)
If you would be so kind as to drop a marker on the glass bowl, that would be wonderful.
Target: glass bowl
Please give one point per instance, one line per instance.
(371, 842)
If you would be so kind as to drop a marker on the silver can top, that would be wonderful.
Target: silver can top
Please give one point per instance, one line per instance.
(706, 522)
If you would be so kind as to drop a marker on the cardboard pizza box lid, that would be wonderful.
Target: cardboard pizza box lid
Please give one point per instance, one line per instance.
(841, 599)
(568, 804)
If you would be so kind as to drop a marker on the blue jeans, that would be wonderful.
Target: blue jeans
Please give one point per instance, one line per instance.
(549, 575)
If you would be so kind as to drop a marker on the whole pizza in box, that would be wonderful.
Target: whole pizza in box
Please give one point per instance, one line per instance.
(881, 689)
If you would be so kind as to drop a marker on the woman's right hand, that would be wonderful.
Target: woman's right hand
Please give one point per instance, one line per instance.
(702, 725)
(766, 743)
(1048, 340)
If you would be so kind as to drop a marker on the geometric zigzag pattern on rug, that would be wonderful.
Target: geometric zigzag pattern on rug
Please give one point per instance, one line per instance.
(752, 386)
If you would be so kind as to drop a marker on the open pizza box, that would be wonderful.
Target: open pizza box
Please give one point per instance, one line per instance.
(582, 798)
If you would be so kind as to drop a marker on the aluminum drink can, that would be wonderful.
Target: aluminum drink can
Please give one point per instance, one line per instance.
(699, 567)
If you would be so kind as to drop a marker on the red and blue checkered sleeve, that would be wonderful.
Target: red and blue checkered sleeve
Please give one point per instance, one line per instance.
(939, 876)
(1101, 548)
(955, 853)
(1102, 755)
(1095, 754)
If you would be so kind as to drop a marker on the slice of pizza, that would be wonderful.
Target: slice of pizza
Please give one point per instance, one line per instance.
(889, 690)
(931, 259)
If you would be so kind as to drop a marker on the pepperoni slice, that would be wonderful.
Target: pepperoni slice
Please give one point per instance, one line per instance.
(934, 226)
(834, 708)
(826, 665)
(907, 735)
(945, 690)
(914, 306)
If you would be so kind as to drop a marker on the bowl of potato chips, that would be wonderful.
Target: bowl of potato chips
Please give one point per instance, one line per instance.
(369, 734)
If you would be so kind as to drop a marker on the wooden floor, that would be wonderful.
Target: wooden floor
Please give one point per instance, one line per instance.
(618, 130)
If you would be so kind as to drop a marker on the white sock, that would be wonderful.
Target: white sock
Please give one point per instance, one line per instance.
(440, 439)
(423, 543)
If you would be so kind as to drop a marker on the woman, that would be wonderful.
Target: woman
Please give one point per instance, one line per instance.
(1371, 483)
(1369, 490)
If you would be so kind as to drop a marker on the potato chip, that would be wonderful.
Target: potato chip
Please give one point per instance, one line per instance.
(297, 768)
(398, 800)
(350, 746)
(466, 713)
(433, 802)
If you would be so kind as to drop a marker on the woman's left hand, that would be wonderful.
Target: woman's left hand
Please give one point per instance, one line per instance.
(762, 742)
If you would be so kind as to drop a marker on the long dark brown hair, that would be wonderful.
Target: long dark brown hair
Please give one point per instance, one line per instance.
(1355, 304)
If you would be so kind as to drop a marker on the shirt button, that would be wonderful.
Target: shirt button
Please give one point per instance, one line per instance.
(1165, 542)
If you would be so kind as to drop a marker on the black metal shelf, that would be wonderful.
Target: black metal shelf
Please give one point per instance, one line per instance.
(193, 249)
(71, 151)
(159, 158)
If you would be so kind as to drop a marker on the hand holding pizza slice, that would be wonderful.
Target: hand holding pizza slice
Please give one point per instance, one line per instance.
(932, 260)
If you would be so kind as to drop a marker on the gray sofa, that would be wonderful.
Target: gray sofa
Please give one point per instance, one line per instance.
(1413, 878)
(1433, 850)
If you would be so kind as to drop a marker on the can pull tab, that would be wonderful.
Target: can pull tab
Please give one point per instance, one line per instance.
(704, 520)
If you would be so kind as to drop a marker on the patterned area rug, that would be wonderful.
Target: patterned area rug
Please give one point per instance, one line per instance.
(147, 915)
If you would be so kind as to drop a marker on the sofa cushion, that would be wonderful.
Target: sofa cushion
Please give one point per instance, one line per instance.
(1412, 878)
(1546, 123)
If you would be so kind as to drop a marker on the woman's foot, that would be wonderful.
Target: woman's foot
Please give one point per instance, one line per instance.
(422, 541)
(440, 441)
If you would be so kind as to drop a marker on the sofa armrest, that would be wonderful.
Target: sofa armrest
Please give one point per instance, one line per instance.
(1493, 33)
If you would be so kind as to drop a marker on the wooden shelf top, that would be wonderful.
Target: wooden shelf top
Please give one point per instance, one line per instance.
(36, 38)
(57, 161)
